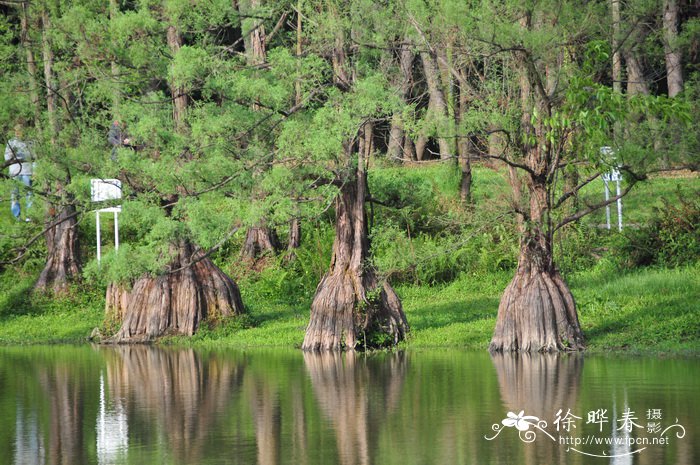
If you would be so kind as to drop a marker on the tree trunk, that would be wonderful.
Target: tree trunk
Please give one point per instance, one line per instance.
(437, 104)
(177, 93)
(62, 263)
(617, 56)
(48, 76)
(62, 260)
(674, 69)
(351, 307)
(465, 149)
(636, 81)
(293, 238)
(409, 149)
(396, 147)
(116, 94)
(31, 65)
(177, 302)
(259, 241)
(537, 312)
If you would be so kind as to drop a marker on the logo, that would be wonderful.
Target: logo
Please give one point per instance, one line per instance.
(628, 435)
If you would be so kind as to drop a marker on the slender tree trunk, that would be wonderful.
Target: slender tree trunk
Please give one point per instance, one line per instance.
(409, 149)
(420, 144)
(674, 67)
(350, 304)
(260, 239)
(293, 238)
(465, 149)
(617, 56)
(397, 145)
(437, 104)
(116, 94)
(178, 93)
(636, 80)
(49, 80)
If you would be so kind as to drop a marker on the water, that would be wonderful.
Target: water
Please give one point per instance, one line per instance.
(145, 405)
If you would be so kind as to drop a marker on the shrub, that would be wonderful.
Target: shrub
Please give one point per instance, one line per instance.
(670, 238)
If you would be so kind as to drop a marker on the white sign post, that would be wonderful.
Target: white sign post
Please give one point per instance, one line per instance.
(616, 176)
(103, 190)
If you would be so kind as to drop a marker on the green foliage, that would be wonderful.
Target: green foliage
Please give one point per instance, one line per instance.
(671, 238)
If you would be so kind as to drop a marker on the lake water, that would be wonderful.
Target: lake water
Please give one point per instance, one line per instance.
(146, 405)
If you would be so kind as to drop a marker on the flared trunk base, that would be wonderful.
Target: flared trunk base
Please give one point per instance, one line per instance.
(174, 303)
(62, 261)
(259, 242)
(537, 313)
(347, 314)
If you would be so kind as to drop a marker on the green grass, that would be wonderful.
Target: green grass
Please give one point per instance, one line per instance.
(645, 311)
(639, 205)
(32, 319)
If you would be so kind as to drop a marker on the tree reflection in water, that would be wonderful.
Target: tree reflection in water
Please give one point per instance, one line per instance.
(172, 394)
(356, 395)
(540, 385)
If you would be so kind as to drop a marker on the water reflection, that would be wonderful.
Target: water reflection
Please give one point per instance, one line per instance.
(542, 385)
(173, 396)
(356, 396)
(136, 405)
(112, 428)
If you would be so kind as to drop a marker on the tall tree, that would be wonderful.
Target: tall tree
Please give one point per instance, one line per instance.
(352, 308)
(62, 261)
(191, 288)
(260, 239)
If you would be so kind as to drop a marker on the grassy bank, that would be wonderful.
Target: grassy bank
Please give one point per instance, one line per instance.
(450, 266)
(645, 311)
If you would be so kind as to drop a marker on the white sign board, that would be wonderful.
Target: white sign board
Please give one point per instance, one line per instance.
(105, 189)
(100, 191)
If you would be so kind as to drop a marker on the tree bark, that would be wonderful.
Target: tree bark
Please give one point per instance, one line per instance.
(537, 312)
(31, 65)
(293, 238)
(116, 95)
(465, 149)
(259, 241)
(617, 56)
(397, 145)
(176, 302)
(178, 93)
(48, 76)
(674, 68)
(437, 104)
(351, 306)
(62, 263)
(192, 290)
